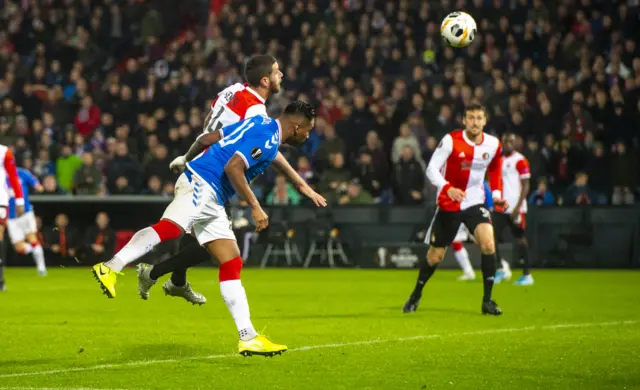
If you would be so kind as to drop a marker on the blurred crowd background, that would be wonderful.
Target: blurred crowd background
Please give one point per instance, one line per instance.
(98, 96)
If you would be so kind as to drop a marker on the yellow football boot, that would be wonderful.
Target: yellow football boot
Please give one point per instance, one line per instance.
(260, 345)
(107, 279)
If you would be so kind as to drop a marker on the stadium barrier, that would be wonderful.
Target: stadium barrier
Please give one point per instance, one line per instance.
(386, 236)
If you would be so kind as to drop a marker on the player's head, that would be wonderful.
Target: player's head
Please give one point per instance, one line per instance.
(263, 71)
(300, 118)
(475, 118)
(508, 143)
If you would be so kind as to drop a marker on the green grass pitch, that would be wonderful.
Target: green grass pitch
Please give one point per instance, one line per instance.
(345, 329)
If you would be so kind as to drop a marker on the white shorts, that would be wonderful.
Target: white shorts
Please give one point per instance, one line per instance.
(463, 234)
(195, 208)
(21, 226)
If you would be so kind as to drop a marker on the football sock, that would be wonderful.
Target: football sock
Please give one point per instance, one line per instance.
(235, 297)
(142, 243)
(38, 256)
(178, 264)
(488, 266)
(425, 273)
(462, 257)
(523, 253)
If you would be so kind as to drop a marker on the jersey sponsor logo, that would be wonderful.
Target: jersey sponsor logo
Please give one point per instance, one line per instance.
(256, 153)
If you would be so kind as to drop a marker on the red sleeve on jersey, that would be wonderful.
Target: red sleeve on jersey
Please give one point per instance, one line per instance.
(12, 173)
(495, 171)
(522, 166)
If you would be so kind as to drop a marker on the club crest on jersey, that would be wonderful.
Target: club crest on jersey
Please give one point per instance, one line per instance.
(485, 155)
(256, 153)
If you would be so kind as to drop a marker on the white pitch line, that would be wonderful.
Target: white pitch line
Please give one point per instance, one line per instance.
(321, 346)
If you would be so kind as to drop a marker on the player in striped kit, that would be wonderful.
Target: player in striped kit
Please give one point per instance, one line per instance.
(515, 178)
(458, 168)
(8, 174)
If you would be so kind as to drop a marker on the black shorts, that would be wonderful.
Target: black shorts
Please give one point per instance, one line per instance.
(502, 221)
(445, 224)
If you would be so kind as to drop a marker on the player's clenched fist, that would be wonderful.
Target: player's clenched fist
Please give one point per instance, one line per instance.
(261, 218)
(456, 194)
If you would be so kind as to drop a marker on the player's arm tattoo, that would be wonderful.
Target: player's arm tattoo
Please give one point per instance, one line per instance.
(202, 142)
(235, 172)
(282, 165)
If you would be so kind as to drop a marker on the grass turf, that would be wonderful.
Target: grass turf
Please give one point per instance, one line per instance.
(576, 329)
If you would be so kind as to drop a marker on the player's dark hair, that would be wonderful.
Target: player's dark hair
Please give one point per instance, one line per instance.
(475, 107)
(299, 107)
(258, 67)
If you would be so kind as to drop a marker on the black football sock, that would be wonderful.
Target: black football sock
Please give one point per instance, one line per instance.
(189, 256)
(523, 253)
(488, 266)
(498, 257)
(425, 273)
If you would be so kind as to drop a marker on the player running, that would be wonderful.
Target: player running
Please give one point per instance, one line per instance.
(515, 178)
(225, 168)
(459, 251)
(22, 229)
(8, 174)
(465, 157)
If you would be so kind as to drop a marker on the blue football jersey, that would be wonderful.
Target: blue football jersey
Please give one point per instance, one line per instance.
(255, 140)
(27, 181)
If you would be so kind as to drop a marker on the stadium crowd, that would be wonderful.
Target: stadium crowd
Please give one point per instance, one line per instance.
(99, 96)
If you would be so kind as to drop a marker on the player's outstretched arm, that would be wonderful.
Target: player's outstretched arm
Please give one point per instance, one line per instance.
(201, 143)
(234, 170)
(282, 165)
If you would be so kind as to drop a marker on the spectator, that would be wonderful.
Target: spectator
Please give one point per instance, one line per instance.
(355, 195)
(579, 193)
(88, 117)
(406, 140)
(408, 179)
(379, 159)
(624, 167)
(66, 167)
(100, 240)
(88, 179)
(368, 177)
(334, 177)
(51, 186)
(542, 196)
(158, 164)
(154, 186)
(332, 144)
(62, 240)
(283, 193)
(598, 168)
(305, 170)
(123, 171)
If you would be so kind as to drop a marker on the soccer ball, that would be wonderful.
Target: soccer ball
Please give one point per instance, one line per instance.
(458, 29)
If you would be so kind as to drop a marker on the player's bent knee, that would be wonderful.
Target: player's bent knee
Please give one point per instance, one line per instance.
(488, 247)
(20, 248)
(223, 250)
(435, 255)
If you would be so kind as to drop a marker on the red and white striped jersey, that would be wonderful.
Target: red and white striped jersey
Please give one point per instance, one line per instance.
(515, 167)
(8, 171)
(457, 162)
(235, 103)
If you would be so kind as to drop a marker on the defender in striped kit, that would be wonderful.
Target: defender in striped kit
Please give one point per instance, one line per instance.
(458, 168)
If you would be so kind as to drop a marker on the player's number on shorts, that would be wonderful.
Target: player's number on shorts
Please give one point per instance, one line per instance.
(235, 136)
(213, 121)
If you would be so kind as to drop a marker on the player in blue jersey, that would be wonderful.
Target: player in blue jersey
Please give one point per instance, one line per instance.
(459, 251)
(22, 229)
(219, 165)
